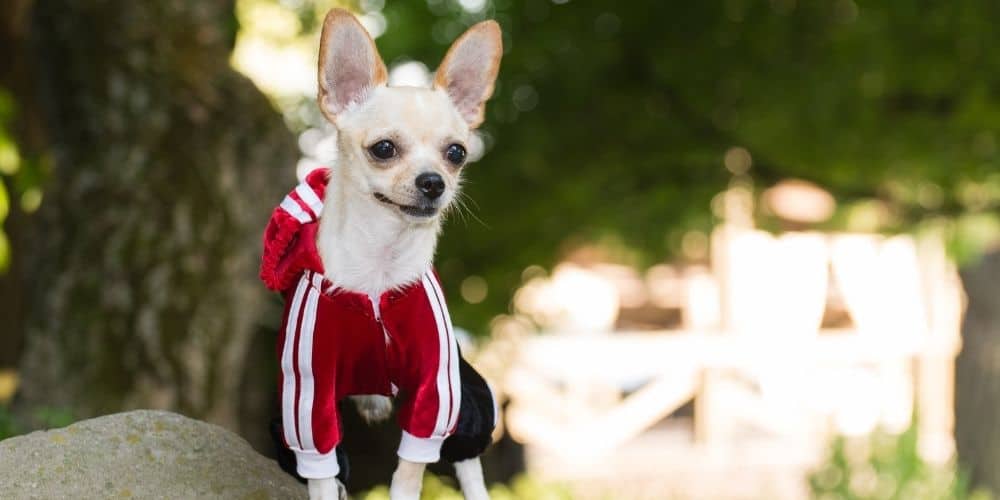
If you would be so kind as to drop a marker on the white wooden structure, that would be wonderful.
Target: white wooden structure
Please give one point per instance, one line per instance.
(766, 366)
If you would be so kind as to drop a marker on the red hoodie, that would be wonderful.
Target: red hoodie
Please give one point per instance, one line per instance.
(336, 343)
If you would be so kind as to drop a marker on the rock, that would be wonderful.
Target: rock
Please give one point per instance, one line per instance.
(139, 454)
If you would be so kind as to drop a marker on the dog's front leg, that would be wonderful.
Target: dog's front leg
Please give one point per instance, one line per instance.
(470, 478)
(327, 489)
(407, 480)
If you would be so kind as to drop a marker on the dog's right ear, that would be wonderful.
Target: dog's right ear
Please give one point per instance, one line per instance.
(349, 64)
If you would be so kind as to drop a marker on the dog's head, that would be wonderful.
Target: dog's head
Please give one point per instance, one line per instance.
(404, 146)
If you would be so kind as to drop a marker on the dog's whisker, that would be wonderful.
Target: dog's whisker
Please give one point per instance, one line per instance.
(463, 200)
(457, 206)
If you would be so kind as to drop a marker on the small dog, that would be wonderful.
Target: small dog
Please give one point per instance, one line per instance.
(365, 316)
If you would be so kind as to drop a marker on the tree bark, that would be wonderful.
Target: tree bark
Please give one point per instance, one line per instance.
(142, 290)
(977, 373)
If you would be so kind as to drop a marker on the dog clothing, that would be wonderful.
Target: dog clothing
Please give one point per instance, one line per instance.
(335, 343)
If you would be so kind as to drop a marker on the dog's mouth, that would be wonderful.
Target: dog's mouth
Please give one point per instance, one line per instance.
(414, 210)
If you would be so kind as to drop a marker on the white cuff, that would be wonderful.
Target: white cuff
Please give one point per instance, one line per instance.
(316, 466)
(420, 450)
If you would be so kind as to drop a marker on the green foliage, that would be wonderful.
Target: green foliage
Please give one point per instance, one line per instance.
(884, 466)
(53, 418)
(43, 418)
(522, 487)
(10, 160)
(7, 426)
(20, 178)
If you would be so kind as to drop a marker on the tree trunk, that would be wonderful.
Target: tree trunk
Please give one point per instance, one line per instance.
(977, 397)
(142, 289)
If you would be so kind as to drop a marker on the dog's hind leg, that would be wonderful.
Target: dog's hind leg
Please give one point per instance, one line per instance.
(470, 477)
(473, 433)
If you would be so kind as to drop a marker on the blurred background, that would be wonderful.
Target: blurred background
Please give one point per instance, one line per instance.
(724, 249)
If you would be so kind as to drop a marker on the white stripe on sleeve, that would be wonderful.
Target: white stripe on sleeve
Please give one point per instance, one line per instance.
(308, 390)
(444, 404)
(453, 374)
(287, 369)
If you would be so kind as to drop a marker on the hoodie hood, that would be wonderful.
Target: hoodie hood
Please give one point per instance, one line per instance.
(290, 236)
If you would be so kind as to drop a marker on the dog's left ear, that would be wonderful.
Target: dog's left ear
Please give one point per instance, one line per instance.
(469, 70)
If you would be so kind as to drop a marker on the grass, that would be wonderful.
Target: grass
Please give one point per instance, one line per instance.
(522, 487)
(883, 466)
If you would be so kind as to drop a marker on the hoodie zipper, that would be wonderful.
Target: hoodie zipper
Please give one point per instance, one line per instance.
(377, 312)
(377, 309)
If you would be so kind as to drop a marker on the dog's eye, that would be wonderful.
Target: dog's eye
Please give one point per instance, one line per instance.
(383, 150)
(455, 154)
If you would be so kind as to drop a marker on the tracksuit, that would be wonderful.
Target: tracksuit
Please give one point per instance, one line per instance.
(335, 343)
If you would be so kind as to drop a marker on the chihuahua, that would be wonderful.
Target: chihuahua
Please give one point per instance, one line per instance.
(368, 320)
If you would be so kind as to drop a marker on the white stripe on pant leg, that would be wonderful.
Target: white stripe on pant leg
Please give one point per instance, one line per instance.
(453, 373)
(441, 425)
(309, 198)
(287, 368)
(308, 389)
(292, 207)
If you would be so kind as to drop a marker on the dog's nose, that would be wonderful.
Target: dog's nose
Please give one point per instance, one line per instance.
(432, 185)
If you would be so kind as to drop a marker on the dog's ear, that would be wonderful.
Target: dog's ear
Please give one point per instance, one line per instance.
(469, 69)
(349, 64)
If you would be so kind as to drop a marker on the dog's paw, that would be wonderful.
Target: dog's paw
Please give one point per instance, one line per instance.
(327, 489)
(373, 408)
